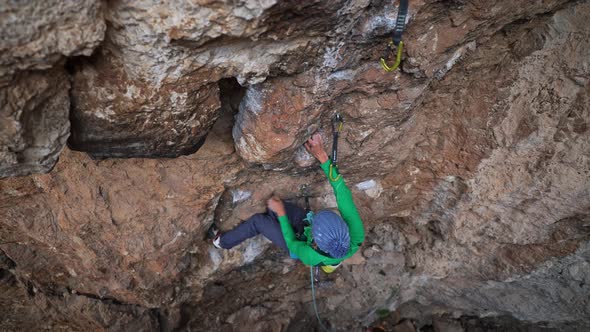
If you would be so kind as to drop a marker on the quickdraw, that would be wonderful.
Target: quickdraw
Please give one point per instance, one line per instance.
(337, 123)
(396, 42)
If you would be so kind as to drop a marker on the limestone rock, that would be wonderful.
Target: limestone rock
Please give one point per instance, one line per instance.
(38, 34)
(345, 79)
(274, 116)
(151, 90)
(27, 307)
(119, 244)
(469, 168)
(138, 119)
(34, 99)
(35, 124)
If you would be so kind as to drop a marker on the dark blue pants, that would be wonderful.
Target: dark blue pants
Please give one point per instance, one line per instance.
(266, 224)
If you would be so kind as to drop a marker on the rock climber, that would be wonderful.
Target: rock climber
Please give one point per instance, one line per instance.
(322, 239)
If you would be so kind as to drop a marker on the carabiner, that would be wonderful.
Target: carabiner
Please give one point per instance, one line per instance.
(337, 123)
(337, 119)
(398, 57)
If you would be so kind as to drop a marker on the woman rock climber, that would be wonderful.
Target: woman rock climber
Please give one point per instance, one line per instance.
(329, 239)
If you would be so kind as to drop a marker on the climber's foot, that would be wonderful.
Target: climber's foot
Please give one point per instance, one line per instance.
(214, 235)
(213, 231)
(217, 241)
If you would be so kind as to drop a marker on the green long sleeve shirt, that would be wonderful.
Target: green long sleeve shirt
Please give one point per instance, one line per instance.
(348, 211)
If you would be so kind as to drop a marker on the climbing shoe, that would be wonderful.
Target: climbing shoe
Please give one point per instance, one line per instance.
(217, 241)
(214, 235)
(329, 268)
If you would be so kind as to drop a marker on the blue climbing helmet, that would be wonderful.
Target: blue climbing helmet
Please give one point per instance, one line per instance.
(330, 233)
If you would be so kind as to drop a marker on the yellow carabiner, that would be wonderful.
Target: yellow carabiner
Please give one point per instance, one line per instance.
(333, 179)
(398, 59)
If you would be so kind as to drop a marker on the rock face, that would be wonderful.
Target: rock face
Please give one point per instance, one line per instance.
(151, 90)
(273, 115)
(106, 223)
(34, 99)
(470, 167)
(35, 124)
(37, 35)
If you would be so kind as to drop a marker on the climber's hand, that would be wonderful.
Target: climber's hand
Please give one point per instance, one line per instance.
(276, 205)
(315, 146)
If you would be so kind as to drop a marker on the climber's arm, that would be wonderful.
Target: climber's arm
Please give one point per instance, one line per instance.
(345, 203)
(301, 249)
(343, 195)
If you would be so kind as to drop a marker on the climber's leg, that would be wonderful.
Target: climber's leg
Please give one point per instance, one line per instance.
(266, 224)
(260, 223)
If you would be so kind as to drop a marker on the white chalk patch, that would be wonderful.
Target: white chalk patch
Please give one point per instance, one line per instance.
(216, 258)
(252, 100)
(328, 200)
(178, 100)
(72, 272)
(371, 188)
(332, 55)
(178, 234)
(239, 196)
(131, 92)
(255, 247)
(455, 58)
(343, 75)
(105, 114)
(407, 187)
(434, 41)
(364, 134)
(366, 185)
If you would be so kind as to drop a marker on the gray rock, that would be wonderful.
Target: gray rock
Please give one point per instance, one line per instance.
(151, 90)
(38, 34)
(34, 99)
(35, 125)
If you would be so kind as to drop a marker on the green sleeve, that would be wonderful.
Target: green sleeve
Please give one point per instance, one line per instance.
(345, 203)
(349, 213)
(301, 249)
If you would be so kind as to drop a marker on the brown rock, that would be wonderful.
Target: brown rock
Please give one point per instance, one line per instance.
(274, 116)
(404, 326)
(28, 308)
(469, 169)
(117, 115)
(152, 91)
(356, 259)
(118, 243)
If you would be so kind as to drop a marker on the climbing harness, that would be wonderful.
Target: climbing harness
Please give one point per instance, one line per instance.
(330, 268)
(396, 42)
(337, 123)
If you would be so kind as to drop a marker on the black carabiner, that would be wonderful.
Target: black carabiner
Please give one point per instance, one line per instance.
(396, 42)
(336, 128)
